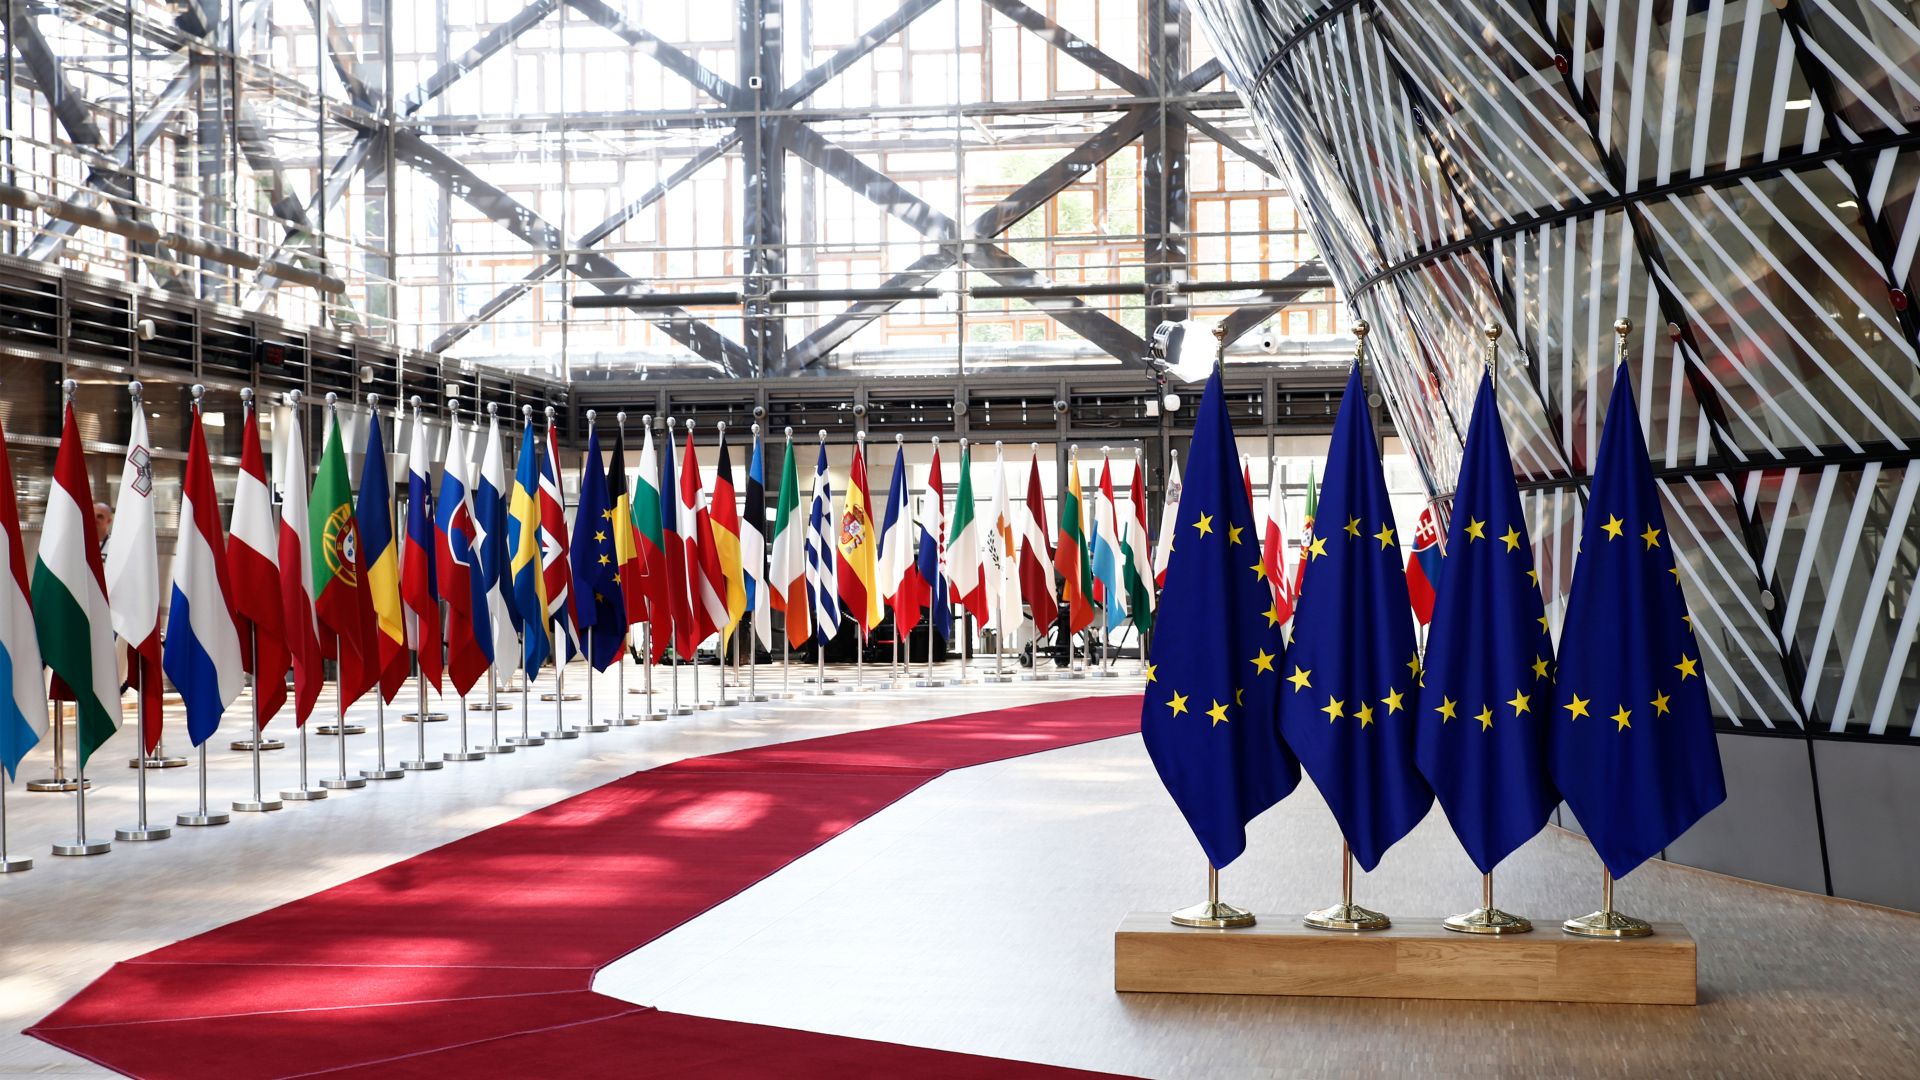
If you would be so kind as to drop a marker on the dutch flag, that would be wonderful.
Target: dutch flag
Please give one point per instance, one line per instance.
(202, 650)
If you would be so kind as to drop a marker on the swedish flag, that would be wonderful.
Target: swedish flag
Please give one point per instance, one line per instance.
(1481, 737)
(1214, 673)
(1633, 747)
(1353, 677)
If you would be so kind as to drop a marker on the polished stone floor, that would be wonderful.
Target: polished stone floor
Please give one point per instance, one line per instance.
(977, 914)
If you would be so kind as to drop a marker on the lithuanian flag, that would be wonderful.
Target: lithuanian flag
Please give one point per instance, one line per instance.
(1070, 557)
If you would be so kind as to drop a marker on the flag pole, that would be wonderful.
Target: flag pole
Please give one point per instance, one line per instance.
(594, 724)
(343, 781)
(80, 845)
(727, 637)
(381, 770)
(1033, 672)
(141, 830)
(560, 728)
(305, 792)
(494, 745)
(940, 513)
(966, 618)
(9, 864)
(526, 736)
(693, 593)
(1211, 914)
(819, 639)
(203, 815)
(1346, 915)
(58, 781)
(259, 804)
(421, 762)
(620, 716)
(761, 595)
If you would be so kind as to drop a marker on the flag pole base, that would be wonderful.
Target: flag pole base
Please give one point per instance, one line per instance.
(246, 745)
(596, 727)
(57, 784)
(422, 765)
(1212, 915)
(464, 755)
(551, 696)
(382, 774)
(343, 783)
(83, 847)
(211, 817)
(432, 717)
(498, 706)
(1347, 917)
(151, 832)
(1607, 924)
(502, 747)
(560, 733)
(627, 721)
(256, 806)
(681, 710)
(303, 794)
(164, 761)
(512, 741)
(932, 682)
(1488, 921)
(758, 698)
(999, 678)
(334, 729)
(14, 864)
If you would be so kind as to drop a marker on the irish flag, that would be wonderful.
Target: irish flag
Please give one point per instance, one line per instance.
(789, 556)
(75, 625)
(23, 687)
(202, 652)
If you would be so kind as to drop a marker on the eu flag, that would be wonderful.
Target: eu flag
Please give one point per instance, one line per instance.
(599, 606)
(1353, 676)
(1632, 738)
(1214, 672)
(1481, 733)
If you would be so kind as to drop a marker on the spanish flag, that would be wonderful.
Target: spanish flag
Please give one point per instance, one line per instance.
(859, 570)
(1070, 558)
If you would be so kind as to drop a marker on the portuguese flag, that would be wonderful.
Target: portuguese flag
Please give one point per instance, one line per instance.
(74, 623)
(344, 608)
(1070, 557)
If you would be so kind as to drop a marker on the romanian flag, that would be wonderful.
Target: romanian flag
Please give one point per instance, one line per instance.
(374, 514)
(859, 569)
(726, 541)
(1070, 558)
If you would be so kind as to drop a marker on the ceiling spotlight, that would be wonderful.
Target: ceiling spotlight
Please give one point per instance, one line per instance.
(1170, 351)
(1171, 402)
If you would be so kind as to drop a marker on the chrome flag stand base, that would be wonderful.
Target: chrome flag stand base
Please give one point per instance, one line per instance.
(380, 770)
(80, 845)
(620, 717)
(259, 804)
(9, 864)
(1210, 913)
(421, 762)
(493, 707)
(59, 781)
(558, 697)
(141, 830)
(303, 793)
(244, 745)
(594, 724)
(345, 781)
(159, 759)
(203, 816)
(526, 737)
(334, 729)
(465, 753)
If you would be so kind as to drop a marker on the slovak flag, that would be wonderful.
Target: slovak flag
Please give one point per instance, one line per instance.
(1423, 569)
(202, 649)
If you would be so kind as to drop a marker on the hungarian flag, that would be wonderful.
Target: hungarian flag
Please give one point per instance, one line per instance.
(858, 569)
(253, 565)
(1036, 556)
(419, 577)
(1169, 516)
(650, 536)
(133, 577)
(1136, 567)
(706, 581)
(1070, 558)
(753, 545)
(373, 514)
(628, 573)
(297, 576)
(523, 560)
(726, 541)
(23, 697)
(599, 607)
(202, 653)
(340, 601)
(457, 571)
(897, 579)
(789, 558)
(556, 564)
(74, 623)
(1273, 549)
(680, 619)
(966, 566)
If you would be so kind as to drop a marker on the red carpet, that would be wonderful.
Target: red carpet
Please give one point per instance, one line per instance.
(475, 959)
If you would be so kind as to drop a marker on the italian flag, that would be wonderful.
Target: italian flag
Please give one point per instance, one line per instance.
(966, 569)
(75, 625)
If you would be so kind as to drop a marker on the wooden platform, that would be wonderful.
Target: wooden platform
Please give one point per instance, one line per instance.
(1416, 958)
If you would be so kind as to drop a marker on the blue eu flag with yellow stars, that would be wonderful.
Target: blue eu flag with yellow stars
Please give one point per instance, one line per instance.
(1632, 740)
(1214, 670)
(1481, 733)
(1352, 674)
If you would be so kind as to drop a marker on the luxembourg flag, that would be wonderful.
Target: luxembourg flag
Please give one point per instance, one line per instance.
(202, 650)
(23, 683)
(1106, 549)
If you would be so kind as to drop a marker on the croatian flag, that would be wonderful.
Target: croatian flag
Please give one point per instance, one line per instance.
(1423, 570)
(202, 650)
(457, 570)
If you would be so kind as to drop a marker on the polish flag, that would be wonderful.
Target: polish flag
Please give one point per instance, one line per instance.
(296, 578)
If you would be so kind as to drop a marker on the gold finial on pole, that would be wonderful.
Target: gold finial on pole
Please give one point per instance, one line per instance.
(1492, 330)
(1622, 329)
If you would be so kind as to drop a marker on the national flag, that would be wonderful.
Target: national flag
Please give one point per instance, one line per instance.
(821, 574)
(997, 551)
(524, 561)
(202, 651)
(133, 577)
(495, 544)
(1107, 586)
(341, 603)
(789, 556)
(1306, 535)
(1136, 568)
(253, 566)
(1632, 741)
(73, 622)
(753, 546)
(929, 563)
(628, 571)
(556, 564)
(1273, 547)
(23, 709)
(1036, 556)
(858, 562)
(600, 607)
(685, 638)
(457, 569)
(1214, 669)
(966, 565)
(1486, 695)
(1169, 514)
(1354, 676)
(1070, 558)
(706, 581)
(898, 582)
(419, 570)
(1423, 569)
(649, 537)
(297, 574)
(373, 515)
(726, 540)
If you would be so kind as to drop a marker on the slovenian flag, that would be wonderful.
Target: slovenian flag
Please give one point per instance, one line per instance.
(419, 584)
(202, 650)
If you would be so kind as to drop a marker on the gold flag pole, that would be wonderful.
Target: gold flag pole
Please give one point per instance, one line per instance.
(1211, 913)
(1487, 919)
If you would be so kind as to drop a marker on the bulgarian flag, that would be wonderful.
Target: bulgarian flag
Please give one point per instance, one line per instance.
(1070, 558)
(74, 623)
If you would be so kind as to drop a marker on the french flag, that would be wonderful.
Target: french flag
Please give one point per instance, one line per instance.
(899, 583)
(202, 650)
(1423, 569)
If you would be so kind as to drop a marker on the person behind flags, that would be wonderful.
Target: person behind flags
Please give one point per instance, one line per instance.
(1107, 586)
(133, 577)
(599, 606)
(1632, 746)
(457, 569)
(1353, 674)
(966, 567)
(490, 522)
(822, 576)
(1036, 556)
(1136, 569)
(1213, 672)
(726, 540)
(296, 571)
(928, 562)
(788, 567)
(1423, 569)
(524, 560)
(1070, 558)
(1273, 546)
(858, 565)
(556, 564)
(753, 547)
(706, 581)
(1169, 514)
(1481, 730)
(1005, 618)
(419, 573)
(202, 651)
(373, 515)
(341, 604)
(23, 708)
(628, 572)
